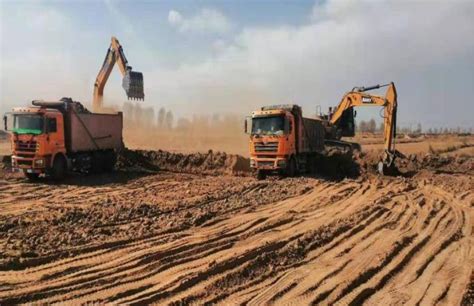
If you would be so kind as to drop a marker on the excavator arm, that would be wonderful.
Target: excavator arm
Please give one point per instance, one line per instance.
(359, 97)
(132, 81)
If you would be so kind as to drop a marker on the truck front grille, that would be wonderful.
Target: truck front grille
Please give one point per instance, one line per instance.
(26, 146)
(266, 146)
(266, 163)
(24, 162)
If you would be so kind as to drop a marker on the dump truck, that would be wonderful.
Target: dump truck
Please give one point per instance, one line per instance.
(282, 140)
(53, 137)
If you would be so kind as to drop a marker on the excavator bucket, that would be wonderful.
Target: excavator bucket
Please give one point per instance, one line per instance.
(133, 84)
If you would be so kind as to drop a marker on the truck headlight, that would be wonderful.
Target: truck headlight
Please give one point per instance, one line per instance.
(252, 163)
(39, 162)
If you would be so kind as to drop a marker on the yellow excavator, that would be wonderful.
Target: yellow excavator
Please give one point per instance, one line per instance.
(341, 121)
(132, 81)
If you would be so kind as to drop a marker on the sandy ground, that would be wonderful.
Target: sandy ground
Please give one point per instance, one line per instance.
(163, 237)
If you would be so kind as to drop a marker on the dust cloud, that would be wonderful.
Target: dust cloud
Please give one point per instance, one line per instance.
(151, 129)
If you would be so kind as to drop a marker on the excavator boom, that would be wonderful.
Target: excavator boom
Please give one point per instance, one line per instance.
(132, 81)
(359, 97)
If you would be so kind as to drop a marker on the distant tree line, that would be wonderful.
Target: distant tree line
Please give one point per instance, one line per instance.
(136, 115)
(370, 126)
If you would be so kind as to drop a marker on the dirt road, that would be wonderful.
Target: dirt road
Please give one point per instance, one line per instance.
(175, 237)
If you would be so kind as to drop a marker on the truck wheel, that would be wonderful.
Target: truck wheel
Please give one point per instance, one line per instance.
(97, 165)
(110, 158)
(291, 168)
(261, 175)
(59, 168)
(32, 176)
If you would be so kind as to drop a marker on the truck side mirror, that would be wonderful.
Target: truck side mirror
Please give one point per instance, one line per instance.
(5, 122)
(248, 125)
(355, 113)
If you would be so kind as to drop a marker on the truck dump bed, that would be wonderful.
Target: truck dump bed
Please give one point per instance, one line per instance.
(89, 131)
(313, 135)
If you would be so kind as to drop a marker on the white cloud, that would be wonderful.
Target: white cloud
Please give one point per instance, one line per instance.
(205, 21)
(175, 18)
(424, 46)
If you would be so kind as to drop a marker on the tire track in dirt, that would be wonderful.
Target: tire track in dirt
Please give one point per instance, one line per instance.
(305, 241)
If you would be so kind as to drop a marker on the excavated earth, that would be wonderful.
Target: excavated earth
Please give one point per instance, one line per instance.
(177, 229)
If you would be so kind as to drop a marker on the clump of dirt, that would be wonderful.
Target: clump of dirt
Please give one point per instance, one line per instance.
(437, 164)
(5, 161)
(5, 165)
(468, 298)
(337, 164)
(212, 163)
(415, 162)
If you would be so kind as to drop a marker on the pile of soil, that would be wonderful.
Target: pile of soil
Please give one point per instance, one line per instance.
(5, 161)
(5, 165)
(438, 164)
(337, 164)
(212, 163)
(411, 164)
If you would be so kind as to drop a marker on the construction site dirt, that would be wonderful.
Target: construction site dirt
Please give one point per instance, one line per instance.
(174, 228)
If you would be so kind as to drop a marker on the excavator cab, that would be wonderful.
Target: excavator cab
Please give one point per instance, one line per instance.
(346, 123)
(132, 83)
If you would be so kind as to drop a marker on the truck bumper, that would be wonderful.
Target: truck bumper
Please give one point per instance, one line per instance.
(28, 165)
(270, 164)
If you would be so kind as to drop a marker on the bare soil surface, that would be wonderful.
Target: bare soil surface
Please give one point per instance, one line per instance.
(168, 229)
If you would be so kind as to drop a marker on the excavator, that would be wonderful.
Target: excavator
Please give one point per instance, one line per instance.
(132, 81)
(341, 121)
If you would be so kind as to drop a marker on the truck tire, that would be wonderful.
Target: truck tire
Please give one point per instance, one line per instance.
(97, 162)
(59, 168)
(110, 158)
(291, 169)
(32, 176)
(261, 175)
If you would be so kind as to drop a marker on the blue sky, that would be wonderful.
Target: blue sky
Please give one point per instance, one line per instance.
(233, 56)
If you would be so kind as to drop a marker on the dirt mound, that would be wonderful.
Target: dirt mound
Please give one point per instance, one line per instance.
(213, 163)
(413, 163)
(337, 164)
(5, 160)
(438, 164)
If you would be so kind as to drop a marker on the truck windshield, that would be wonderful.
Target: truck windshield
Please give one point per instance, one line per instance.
(274, 125)
(28, 124)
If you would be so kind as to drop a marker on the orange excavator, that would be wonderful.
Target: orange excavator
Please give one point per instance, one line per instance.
(132, 81)
(341, 121)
